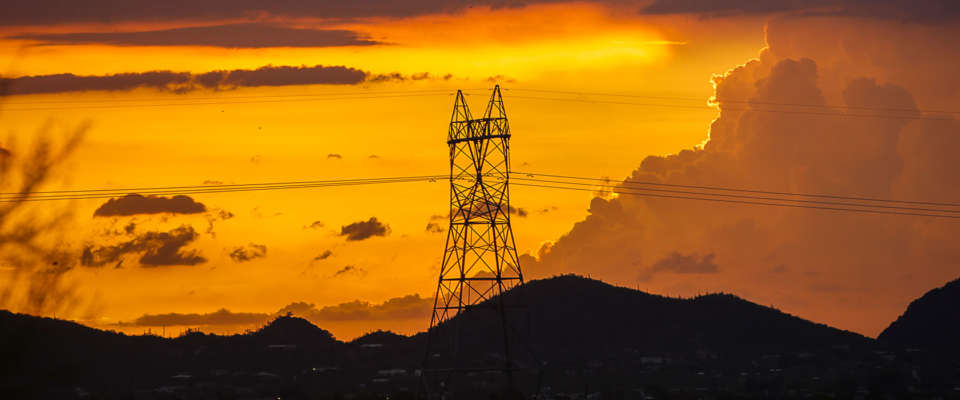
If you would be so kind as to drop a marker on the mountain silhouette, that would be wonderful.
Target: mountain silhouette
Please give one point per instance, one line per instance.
(931, 322)
(569, 319)
(568, 323)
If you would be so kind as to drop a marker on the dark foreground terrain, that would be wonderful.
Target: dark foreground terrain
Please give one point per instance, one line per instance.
(573, 338)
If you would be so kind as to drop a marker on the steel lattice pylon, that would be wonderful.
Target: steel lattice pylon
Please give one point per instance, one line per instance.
(480, 260)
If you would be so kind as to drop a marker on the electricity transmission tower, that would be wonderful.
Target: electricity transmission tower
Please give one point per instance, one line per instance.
(480, 259)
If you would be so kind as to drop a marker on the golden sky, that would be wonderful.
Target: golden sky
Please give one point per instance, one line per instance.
(146, 137)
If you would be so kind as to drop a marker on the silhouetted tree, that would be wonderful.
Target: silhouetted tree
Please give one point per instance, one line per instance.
(32, 249)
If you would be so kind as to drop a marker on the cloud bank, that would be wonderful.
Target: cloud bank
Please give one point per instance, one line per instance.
(398, 308)
(185, 82)
(56, 12)
(219, 317)
(252, 35)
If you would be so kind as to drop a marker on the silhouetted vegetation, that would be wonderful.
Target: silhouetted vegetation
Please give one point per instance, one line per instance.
(585, 336)
(931, 322)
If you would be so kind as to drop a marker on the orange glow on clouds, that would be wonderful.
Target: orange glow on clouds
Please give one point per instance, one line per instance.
(562, 46)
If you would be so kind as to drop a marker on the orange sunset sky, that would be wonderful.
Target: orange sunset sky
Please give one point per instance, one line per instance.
(385, 111)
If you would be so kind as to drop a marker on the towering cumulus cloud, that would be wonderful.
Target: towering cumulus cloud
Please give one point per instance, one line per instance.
(825, 265)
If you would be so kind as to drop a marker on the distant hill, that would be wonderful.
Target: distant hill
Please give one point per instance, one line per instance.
(931, 322)
(566, 321)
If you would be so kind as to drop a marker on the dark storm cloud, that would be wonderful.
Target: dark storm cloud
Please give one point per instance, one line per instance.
(686, 264)
(60, 83)
(26, 12)
(183, 82)
(40, 12)
(365, 229)
(315, 225)
(134, 204)
(156, 249)
(727, 7)
(52, 12)
(232, 36)
(905, 10)
(281, 76)
(249, 252)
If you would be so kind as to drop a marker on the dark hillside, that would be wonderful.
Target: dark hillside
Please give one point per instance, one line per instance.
(570, 319)
(586, 331)
(931, 322)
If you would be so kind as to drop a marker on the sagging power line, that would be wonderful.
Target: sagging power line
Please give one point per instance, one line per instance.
(222, 98)
(191, 103)
(626, 185)
(736, 101)
(581, 97)
(911, 116)
(205, 189)
(530, 179)
(725, 188)
(866, 208)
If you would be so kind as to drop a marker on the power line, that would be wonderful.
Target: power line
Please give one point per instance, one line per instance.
(731, 189)
(444, 91)
(750, 197)
(220, 185)
(540, 183)
(360, 92)
(859, 210)
(189, 103)
(185, 190)
(662, 105)
(724, 100)
(913, 114)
